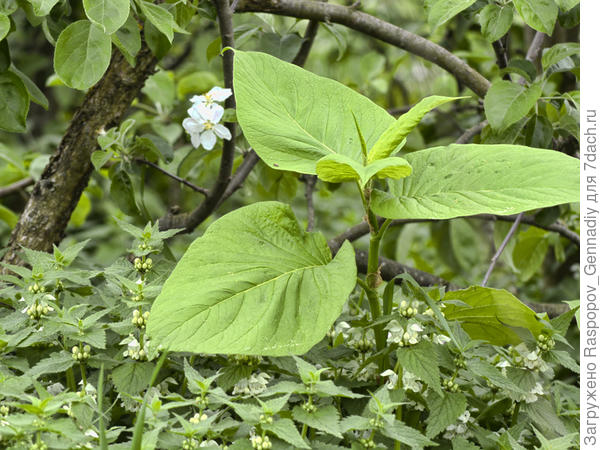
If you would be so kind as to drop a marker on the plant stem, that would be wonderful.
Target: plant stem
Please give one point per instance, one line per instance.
(101, 423)
(83, 377)
(515, 415)
(71, 380)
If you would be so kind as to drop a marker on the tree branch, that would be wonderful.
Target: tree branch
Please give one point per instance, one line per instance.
(310, 181)
(469, 134)
(189, 184)
(16, 186)
(536, 47)
(509, 235)
(57, 192)
(376, 28)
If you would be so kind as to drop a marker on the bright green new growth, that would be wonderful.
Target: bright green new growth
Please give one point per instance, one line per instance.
(255, 283)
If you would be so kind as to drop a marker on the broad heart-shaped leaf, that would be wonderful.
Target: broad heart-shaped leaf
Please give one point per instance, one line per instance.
(389, 141)
(14, 103)
(293, 118)
(338, 168)
(506, 103)
(255, 283)
(490, 314)
(82, 54)
(538, 14)
(464, 180)
(110, 14)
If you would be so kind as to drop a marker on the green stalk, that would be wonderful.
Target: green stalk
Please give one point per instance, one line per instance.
(101, 424)
(138, 432)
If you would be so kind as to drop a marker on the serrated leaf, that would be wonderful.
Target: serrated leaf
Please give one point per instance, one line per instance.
(506, 102)
(490, 314)
(564, 359)
(286, 430)
(421, 360)
(388, 143)
(561, 323)
(464, 180)
(82, 54)
(325, 418)
(293, 118)
(55, 363)
(486, 370)
(109, 14)
(538, 14)
(495, 21)
(255, 283)
(407, 435)
(14, 103)
(443, 411)
(132, 377)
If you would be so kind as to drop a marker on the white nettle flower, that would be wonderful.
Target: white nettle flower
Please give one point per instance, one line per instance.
(203, 125)
(411, 335)
(533, 394)
(440, 339)
(254, 385)
(395, 332)
(410, 381)
(216, 94)
(392, 378)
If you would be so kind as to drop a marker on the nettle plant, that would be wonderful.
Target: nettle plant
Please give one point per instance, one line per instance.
(261, 338)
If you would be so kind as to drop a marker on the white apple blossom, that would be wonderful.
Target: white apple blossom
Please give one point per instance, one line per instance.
(203, 125)
(216, 94)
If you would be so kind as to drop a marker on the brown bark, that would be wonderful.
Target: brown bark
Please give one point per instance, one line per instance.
(55, 195)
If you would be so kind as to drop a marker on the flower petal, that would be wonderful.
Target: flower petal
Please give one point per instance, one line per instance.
(192, 126)
(222, 131)
(195, 140)
(215, 113)
(208, 139)
(198, 99)
(219, 94)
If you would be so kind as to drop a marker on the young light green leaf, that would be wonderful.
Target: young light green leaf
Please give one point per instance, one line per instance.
(390, 167)
(293, 118)
(490, 315)
(389, 142)
(339, 168)
(443, 411)
(559, 52)
(14, 103)
(495, 21)
(254, 283)
(42, 7)
(160, 18)
(109, 14)
(506, 103)
(464, 180)
(82, 54)
(538, 14)
(4, 26)
(443, 10)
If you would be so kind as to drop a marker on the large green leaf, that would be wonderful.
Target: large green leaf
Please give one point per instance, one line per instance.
(293, 118)
(495, 21)
(82, 54)
(444, 411)
(491, 314)
(389, 141)
(255, 283)
(506, 103)
(441, 11)
(464, 180)
(42, 7)
(109, 14)
(14, 103)
(538, 14)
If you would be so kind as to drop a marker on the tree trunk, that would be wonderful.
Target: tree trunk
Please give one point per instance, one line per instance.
(55, 195)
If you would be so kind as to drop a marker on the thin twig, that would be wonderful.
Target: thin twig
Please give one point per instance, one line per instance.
(310, 181)
(536, 46)
(469, 134)
(192, 186)
(16, 186)
(377, 28)
(509, 235)
(250, 160)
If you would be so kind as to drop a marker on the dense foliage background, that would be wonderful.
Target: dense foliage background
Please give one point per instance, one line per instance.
(93, 294)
